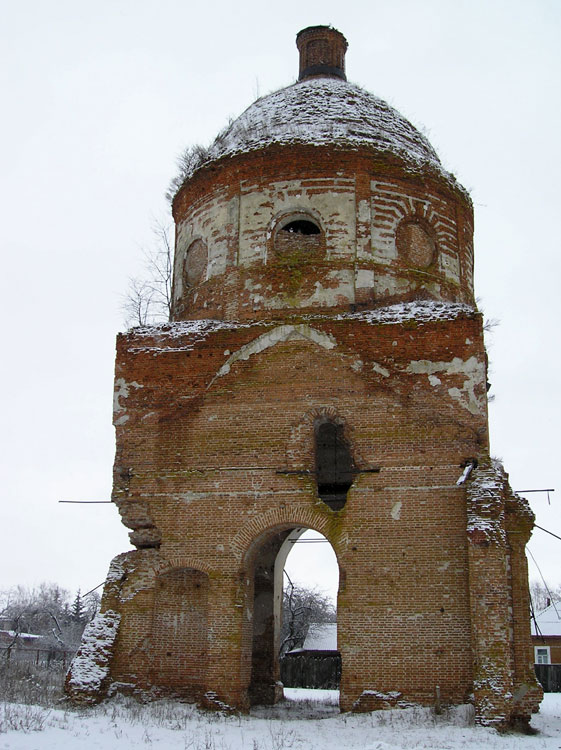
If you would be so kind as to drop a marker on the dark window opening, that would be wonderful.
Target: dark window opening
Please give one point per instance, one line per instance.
(301, 226)
(334, 465)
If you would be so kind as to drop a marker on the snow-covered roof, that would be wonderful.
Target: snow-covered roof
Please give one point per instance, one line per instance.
(325, 111)
(27, 636)
(548, 620)
(321, 637)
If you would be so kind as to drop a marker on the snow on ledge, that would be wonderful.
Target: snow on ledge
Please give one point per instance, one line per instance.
(425, 311)
(485, 495)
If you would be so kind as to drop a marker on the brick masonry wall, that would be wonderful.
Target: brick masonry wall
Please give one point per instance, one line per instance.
(215, 453)
(204, 458)
(214, 462)
(235, 207)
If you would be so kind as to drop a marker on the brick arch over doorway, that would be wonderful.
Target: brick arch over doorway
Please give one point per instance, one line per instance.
(283, 516)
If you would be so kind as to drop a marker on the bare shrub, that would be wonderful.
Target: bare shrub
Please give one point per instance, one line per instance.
(22, 718)
(27, 683)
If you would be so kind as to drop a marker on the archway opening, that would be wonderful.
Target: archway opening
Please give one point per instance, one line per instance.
(295, 578)
(309, 657)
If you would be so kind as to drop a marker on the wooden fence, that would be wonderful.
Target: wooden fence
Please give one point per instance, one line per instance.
(322, 669)
(311, 669)
(549, 676)
(42, 657)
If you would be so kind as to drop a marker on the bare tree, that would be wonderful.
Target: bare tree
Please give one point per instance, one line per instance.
(301, 608)
(543, 595)
(45, 610)
(148, 299)
(137, 303)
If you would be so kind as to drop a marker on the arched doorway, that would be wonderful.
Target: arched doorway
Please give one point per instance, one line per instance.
(265, 566)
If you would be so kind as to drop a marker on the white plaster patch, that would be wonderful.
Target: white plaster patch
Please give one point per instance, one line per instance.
(122, 420)
(252, 287)
(434, 380)
(122, 390)
(330, 295)
(191, 497)
(450, 267)
(364, 279)
(364, 211)
(443, 567)
(357, 365)
(396, 510)
(276, 336)
(380, 370)
(389, 285)
(472, 368)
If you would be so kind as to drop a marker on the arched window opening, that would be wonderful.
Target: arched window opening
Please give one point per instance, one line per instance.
(301, 226)
(298, 236)
(334, 464)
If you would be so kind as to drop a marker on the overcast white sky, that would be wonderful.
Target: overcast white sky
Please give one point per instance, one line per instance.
(99, 98)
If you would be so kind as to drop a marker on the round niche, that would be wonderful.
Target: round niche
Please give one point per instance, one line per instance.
(194, 268)
(415, 244)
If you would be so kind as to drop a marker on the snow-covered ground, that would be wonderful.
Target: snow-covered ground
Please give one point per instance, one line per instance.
(306, 721)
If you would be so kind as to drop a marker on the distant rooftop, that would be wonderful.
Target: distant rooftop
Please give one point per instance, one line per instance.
(548, 621)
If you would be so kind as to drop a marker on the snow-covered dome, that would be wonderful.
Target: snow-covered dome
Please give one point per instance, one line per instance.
(320, 196)
(321, 109)
(325, 111)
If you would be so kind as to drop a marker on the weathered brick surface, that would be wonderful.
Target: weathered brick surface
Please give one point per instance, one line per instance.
(215, 455)
(358, 203)
(216, 413)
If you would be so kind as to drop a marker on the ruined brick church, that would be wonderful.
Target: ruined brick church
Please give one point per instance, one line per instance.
(323, 368)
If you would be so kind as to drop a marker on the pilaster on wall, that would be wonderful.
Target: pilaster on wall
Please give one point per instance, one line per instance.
(528, 693)
(226, 609)
(503, 688)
